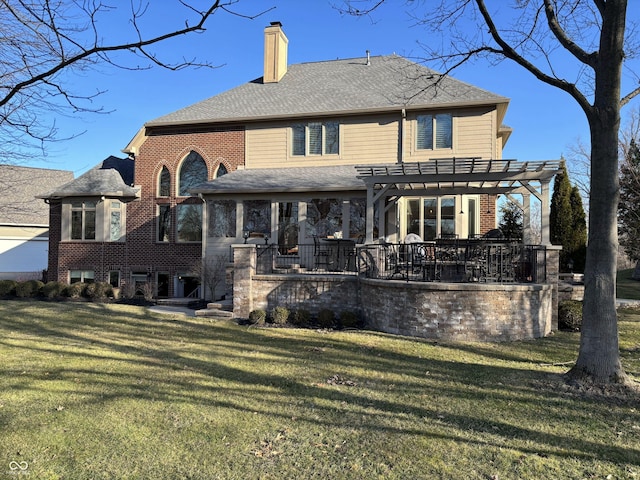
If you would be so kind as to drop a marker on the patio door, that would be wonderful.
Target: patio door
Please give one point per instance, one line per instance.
(287, 226)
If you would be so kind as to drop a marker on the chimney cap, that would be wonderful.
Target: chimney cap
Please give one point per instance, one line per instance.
(276, 24)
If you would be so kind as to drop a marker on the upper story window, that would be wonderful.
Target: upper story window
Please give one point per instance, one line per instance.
(222, 170)
(164, 183)
(434, 131)
(193, 172)
(316, 138)
(83, 220)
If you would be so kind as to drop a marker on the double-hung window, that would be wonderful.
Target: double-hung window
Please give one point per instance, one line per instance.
(83, 220)
(316, 138)
(434, 131)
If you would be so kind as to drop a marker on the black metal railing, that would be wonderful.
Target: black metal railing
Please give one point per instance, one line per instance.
(445, 260)
(466, 260)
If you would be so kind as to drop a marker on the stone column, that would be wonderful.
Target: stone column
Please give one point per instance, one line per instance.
(553, 277)
(244, 265)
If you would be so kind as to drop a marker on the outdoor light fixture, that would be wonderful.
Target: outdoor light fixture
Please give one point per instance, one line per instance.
(245, 235)
(266, 238)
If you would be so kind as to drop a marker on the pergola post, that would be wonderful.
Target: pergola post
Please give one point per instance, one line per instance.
(370, 215)
(545, 238)
(526, 219)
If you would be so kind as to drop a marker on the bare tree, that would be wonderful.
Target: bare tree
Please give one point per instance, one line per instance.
(579, 47)
(46, 43)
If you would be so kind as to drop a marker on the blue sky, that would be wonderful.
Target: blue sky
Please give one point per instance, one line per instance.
(545, 121)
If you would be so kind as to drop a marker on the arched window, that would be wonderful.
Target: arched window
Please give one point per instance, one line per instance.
(222, 170)
(164, 183)
(193, 171)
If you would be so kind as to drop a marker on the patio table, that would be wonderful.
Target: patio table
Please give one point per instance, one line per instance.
(340, 254)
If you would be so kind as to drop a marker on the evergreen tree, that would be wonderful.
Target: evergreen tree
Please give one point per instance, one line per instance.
(560, 216)
(629, 210)
(578, 237)
(511, 222)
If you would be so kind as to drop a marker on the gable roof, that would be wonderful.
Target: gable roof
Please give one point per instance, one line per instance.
(386, 83)
(111, 178)
(19, 204)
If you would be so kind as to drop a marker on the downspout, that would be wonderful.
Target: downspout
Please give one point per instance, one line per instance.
(401, 128)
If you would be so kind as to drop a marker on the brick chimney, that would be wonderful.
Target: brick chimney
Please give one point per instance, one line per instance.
(275, 53)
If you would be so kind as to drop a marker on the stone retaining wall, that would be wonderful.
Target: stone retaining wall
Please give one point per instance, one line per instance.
(440, 311)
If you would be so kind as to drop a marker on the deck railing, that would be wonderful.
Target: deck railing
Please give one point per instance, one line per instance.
(464, 260)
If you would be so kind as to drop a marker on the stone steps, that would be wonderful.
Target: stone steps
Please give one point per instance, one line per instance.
(220, 309)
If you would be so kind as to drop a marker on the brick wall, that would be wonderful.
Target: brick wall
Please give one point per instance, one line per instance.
(141, 252)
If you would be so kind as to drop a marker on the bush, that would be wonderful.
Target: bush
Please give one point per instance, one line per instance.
(258, 317)
(326, 318)
(300, 317)
(7, 287)
(53, 290)
(30, 288)
(570, 315)
(98, 291)
(75, 290)
(349, 319)
(280, 315)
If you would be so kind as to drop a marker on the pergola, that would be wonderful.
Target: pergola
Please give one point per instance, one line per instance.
(460, 176)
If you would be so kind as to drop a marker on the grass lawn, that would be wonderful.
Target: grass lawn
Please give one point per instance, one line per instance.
(626, 287)
(100, 391)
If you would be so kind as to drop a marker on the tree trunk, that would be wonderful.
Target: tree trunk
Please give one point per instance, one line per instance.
(599, 357)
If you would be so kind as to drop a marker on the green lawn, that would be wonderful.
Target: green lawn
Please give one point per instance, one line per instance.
(93, 391)
(626, 287)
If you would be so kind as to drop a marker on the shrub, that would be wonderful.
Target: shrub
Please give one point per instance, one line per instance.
(128, 291)
(7, 287)
(326, 318)
(98, 291)
(258, 317)
(349, 319)
(29, 288)
(75, 290)
(570, 315)
(53, 290)
(300, 317)
(280, 315)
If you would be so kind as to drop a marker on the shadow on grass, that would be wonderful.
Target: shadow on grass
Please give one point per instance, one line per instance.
(108, 353)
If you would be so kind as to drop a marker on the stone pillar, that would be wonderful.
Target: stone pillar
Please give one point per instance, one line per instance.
(244, 263)
(553, 277)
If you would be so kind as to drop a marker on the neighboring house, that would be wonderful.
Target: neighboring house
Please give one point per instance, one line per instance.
(364, 148)
(24, 220)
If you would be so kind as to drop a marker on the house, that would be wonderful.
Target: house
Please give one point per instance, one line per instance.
(24, 220)
(370, 149)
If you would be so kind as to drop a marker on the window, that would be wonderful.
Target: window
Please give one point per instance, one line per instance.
(193, 172)
(324, 217)
(164, 223)
(164, 183)
(189, 222)
(222, 170)
(115, 222)
(257, 216)
(84, 276)
(83, 220)
(430, 217)
(114, 278)
(316, 138)
(434, 130)
(222, 218)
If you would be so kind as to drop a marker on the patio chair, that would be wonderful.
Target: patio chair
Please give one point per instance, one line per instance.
(321, 254)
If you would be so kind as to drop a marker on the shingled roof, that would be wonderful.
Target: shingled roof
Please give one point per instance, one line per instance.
(296, 179)
(19, 204)
(112, 177)
(337, 87)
